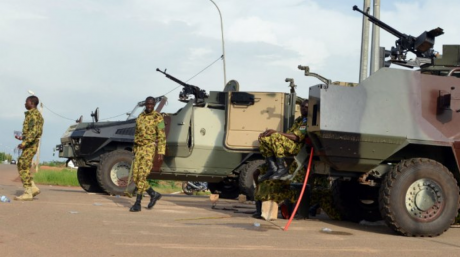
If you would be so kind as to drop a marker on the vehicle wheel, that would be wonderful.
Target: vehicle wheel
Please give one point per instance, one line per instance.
(355, 202)
(225, 189)
(87, 179)
(113, 172)
(246, 179)
(419, 197)
(186, 188)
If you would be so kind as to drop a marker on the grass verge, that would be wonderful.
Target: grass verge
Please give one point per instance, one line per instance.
(68, 177)
(63, 177)
(165, 186)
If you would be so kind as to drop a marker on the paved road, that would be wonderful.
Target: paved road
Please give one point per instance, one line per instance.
(70, 222)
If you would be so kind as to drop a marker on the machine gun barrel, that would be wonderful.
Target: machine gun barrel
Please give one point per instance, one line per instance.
(174, 79)
(187, 89)
(380, 23)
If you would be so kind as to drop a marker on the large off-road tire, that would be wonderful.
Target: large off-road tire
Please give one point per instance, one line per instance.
(225, 190)
(87, 179)
(419, 197)
(246, 179)
(355, 202)
(113, 172)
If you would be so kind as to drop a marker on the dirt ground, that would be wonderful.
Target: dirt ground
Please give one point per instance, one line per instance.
(63, 221)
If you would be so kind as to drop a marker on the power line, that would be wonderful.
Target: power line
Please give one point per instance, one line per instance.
(57, 114)
(221, 57)
(114, 116)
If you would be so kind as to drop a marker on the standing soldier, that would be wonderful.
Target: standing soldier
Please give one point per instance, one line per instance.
(31, 132)
(275, 145)
(149, 133)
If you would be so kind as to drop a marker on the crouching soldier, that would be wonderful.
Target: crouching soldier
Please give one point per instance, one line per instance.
(275, 145)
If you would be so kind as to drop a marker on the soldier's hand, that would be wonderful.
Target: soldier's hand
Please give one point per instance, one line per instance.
(267, 133)
(18, 137)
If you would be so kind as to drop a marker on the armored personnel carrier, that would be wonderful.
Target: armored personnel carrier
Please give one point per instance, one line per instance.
(393, 140)
(213, 138)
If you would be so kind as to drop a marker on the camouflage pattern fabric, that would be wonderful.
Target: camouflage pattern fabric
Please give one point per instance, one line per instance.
(277, 190)
(143, 162)
(32, 130)
(279, 146)
(150, 128)
(149, 133)
(24, 163)
(344, 84)
(321, 194)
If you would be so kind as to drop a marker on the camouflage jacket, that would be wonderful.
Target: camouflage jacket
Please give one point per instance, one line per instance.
(150, 128)
(32, 128)
(299, 128)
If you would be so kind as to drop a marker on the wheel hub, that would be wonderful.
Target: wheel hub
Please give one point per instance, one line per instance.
(119, 173)
(424, 199)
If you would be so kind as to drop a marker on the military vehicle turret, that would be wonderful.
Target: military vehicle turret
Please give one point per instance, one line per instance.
(393, 140)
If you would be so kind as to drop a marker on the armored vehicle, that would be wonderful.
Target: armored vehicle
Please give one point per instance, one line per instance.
(393, 140)
(213, 138)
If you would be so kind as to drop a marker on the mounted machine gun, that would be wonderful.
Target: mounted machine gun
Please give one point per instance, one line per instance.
(187, 90)
(421, 46)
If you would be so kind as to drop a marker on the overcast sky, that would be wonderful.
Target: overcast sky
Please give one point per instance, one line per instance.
(79, 55)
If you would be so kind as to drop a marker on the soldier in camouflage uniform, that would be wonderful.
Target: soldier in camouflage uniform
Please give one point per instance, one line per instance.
(275, 145)
(275, 190)
(149, 136)
(280, 190)
(31, 132)
(321, 197)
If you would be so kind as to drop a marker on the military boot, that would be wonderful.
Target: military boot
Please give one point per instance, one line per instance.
(35, 189)
(137, 205)
(258, 214)
(26, 196)
(271, 168)
(154, 197)
(282, 169)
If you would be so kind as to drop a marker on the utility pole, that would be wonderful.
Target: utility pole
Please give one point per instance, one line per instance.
(364, 44)
(375, 44)
(37, 158)
(223, 44)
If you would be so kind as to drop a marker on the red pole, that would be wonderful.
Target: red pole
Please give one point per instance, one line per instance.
(301, 192)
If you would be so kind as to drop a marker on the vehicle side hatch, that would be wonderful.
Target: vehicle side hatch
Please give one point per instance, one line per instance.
(250, 113)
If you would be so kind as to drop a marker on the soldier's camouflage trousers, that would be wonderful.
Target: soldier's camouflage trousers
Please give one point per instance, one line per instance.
(143, 162)
(322, 194)
(24, 163)
(276, 190)
(277, 145)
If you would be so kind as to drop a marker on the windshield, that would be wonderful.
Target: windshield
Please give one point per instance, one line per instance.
(136, 111)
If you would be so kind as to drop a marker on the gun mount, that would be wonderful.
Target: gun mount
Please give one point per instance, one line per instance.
(421, 46)
(187, 90)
